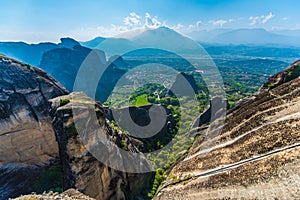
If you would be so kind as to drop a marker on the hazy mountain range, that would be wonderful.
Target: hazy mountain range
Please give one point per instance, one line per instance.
(166, 38)
(248, 36)
(162, 38)
(216, 36)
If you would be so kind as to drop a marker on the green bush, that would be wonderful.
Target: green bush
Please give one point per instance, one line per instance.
(270, 86)
(158, 180)
(50, 179)
(141, 100)
(63, 102)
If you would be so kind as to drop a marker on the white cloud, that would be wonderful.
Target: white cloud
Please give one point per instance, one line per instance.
(284, 18)
(254, 20)
(220, 22)
(178, 27)
(199, 23)
(132, 20)
(267, 18)
(151, 22)
(186, 28)
(260, 19)
(92, 32)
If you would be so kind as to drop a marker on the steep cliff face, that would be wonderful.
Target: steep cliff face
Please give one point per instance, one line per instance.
(36, 136)
(27, 139)
(80, 168)
(64, 63)
(24, 93)
(255, 156)
(150, 118)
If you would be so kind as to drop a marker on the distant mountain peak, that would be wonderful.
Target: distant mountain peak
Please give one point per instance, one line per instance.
(68, 42)
(157, 38)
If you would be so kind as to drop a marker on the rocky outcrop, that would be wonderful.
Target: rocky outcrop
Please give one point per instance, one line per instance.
(70, 194)
(82, 133)
(118, 61)
(42, 151)
(27, 140)
(64, 63)
(212, 112)
(256, 155)
(68, 43)
(181, 83)
(149, 124)
(284, 76)
(109, 79)
(24, 93)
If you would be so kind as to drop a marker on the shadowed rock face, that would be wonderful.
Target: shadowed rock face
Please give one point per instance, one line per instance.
(29, 152)
(64, 63)
(25, 127)
(81, 169)
(26, 134)
(150, 119)
(255, 156)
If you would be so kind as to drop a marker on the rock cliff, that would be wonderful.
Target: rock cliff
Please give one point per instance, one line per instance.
(150, 119)
(40, 149)
(81, 169)
(64, 63)
(256, 155)
(284, 76)
(27, 140)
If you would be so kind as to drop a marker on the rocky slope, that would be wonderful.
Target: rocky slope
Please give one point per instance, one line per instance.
(256, 155)
(81, 169)
(27, 140)
(284, 76)
(67, 195)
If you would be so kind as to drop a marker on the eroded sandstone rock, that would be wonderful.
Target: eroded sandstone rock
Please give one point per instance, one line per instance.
(83, 135)
(27, 140)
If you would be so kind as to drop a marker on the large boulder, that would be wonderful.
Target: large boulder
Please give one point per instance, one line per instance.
(27, 140)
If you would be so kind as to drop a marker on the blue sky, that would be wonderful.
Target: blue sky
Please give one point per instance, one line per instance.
(48, 20)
